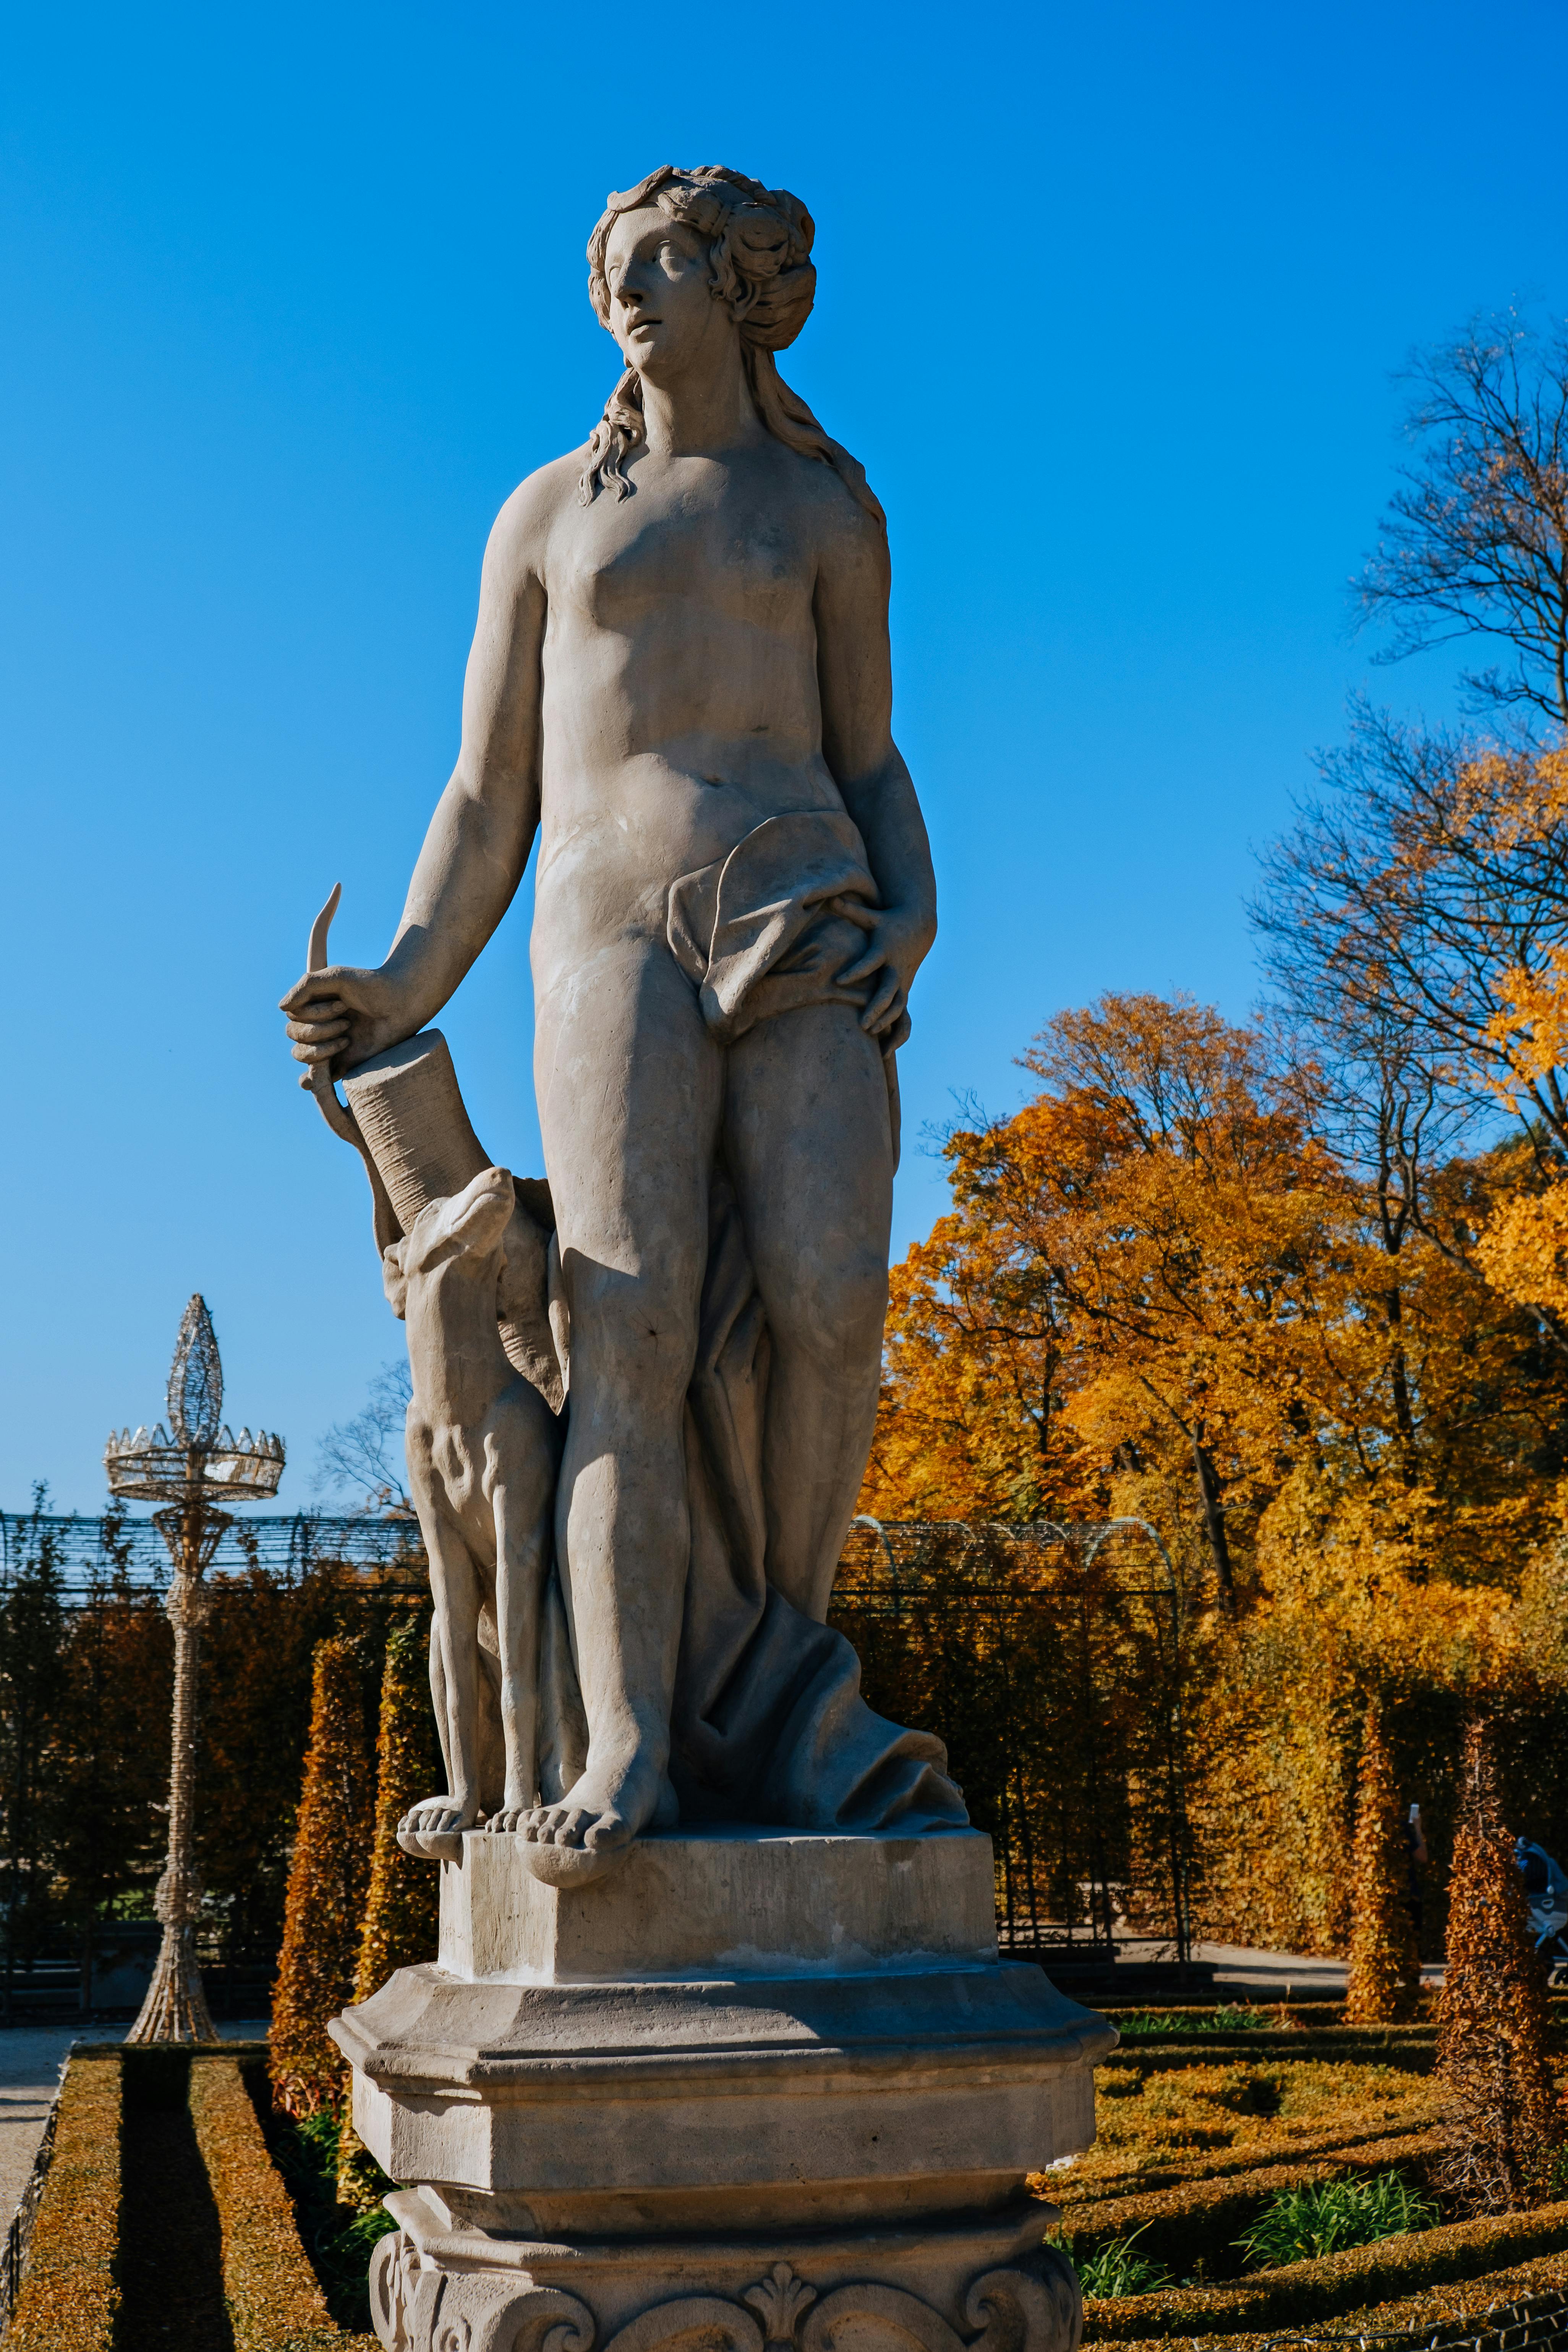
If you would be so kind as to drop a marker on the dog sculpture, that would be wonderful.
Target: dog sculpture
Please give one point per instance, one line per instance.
(483, 1449)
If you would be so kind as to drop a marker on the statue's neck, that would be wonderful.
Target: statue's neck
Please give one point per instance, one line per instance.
(702, 411)
(455, 1352)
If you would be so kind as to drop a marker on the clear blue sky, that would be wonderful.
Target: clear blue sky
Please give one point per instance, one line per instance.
(1110, 299)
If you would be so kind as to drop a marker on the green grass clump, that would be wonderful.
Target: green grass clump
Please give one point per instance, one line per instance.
(1120, 2269)
(338, 2240)
(1213, 2020)
(1303, 2224)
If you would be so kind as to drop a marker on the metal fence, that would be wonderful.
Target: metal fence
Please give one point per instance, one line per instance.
(1049, 1658)
(19, 2237)
(93, 1551)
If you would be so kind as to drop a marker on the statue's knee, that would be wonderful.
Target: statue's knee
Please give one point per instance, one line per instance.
(634, 1335)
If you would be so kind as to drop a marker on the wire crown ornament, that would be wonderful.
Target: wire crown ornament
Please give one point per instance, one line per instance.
(195, 1379)
(197, 1454)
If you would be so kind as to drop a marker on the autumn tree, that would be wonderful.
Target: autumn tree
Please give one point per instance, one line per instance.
(1133, 1282)
(1419, 907)
(1475, 541)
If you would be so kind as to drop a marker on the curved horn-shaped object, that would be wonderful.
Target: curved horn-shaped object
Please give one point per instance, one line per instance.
(338, 1115)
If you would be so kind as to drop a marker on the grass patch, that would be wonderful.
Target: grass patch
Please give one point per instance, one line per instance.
(1193, 2022)
(1119, 2268)
(1300, 2225)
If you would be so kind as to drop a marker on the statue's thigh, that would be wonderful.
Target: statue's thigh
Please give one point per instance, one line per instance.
(630, 1090)
(809, 1142)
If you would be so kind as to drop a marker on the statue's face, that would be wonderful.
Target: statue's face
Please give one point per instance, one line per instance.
(662, 311)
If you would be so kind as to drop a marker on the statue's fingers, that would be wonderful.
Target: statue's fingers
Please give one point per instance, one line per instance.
(884, 1003)
(314, 988)
(862, 968)
(326, 1023)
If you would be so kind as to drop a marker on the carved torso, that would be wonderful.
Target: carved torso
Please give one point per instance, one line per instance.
(680, 699)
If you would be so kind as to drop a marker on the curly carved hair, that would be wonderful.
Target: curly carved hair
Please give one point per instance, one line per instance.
(759, 253)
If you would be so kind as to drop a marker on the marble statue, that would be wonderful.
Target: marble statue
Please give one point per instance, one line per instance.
(681, 682)
(718, 2053)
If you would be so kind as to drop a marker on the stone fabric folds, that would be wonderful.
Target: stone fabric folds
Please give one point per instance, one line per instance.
(764, 929)
(769, 1725)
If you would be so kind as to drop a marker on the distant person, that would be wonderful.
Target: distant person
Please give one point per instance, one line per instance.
(1546, 1892)
(1415, 1840)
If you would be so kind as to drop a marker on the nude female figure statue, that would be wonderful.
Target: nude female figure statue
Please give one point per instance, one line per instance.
(680, 676)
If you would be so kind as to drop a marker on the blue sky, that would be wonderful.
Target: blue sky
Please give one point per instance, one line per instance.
(1109, 301)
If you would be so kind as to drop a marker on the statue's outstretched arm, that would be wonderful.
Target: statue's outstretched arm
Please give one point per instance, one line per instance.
(479, 837)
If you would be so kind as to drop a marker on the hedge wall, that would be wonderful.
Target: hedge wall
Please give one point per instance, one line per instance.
(273, 2298)
(1337, 2283)
(1199, 2221)
(69, 2298)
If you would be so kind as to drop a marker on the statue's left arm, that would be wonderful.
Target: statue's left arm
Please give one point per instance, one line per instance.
(855, 681)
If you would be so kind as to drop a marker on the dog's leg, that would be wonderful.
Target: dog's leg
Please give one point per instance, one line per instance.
(434, 1827)
(522, 1521)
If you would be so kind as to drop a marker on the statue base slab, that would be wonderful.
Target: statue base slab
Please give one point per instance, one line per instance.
(763, 2089)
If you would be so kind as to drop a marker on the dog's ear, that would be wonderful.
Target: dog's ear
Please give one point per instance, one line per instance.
(393, 1281)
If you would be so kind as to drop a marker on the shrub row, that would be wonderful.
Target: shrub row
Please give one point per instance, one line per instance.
(274, 2302)
(1410, 2047)
(1474, 2313)
(69, 2298)
(1337, 2283)
(1076, 2194)
(1199, 2221)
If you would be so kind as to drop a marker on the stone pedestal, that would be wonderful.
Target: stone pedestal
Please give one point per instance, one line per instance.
(756, 2089)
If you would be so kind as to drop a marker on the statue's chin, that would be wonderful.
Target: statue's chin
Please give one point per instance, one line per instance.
(572, 1866)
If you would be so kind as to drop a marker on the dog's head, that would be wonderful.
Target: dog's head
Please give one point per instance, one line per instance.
(464, 1228)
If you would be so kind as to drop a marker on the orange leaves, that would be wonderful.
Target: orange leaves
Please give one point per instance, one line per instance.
(1153, 1270)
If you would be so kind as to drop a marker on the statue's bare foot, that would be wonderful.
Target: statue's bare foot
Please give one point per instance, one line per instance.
(593, 1828)
(433, 1829)
(507, 1818)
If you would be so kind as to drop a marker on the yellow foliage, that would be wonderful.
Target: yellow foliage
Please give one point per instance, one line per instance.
(327, 1883)
(1158, 1293)
(1523, 1252)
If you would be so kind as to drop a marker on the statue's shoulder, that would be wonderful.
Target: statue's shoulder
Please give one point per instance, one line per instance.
(521, 533)
(846, 529)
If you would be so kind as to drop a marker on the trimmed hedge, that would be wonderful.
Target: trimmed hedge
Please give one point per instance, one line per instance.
(1411, 2048)
(1337, 2283)
(1465, 2313)
(274, 2301)
(1200, 2221)
(69, 2297)
(1220, 2164)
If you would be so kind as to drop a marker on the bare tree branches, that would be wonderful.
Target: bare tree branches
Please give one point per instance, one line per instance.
(1430, 870)
(1476, 543)
(366, 1452)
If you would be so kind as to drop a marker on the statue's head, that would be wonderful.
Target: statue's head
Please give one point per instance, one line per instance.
(665, 252)
(684, 259)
